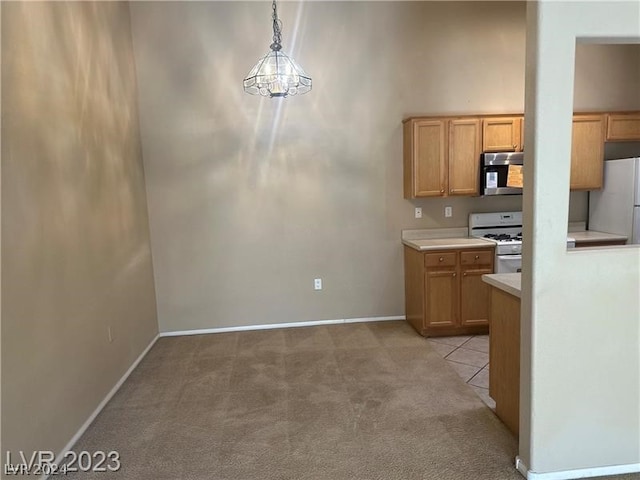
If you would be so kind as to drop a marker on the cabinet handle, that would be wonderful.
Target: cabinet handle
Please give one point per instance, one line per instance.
(441, 259)
(477, 257)
(454, 274)
(515, 146)
(442, 191)
(464, 274)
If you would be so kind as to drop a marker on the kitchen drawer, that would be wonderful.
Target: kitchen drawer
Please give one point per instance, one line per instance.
(440, 260)
(480, 257)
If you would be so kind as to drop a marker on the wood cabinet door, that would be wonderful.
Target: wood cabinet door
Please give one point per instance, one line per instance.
(587, 152)
(623, 127)
(464, 157)
(414, 287)
(441, 298)
(475, 297)
(504, 357)
(424, 158)
(502, 134)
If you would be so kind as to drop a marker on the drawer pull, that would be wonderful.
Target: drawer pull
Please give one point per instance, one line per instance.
(477, 257)
(464, 274)
(441, 259)
(454, 274)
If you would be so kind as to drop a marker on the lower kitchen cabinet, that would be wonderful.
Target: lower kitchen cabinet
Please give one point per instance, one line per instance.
(504, 357)
(440, 292)
(474, 295)
(444, 291)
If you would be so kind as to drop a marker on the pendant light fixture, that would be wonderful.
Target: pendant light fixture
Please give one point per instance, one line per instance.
(276, 74)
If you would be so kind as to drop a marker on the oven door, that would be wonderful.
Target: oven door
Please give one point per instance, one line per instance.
(508, 263)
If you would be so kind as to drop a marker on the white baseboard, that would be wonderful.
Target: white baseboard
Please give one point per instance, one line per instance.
(244, 328)
(578, 473)
(99, 408)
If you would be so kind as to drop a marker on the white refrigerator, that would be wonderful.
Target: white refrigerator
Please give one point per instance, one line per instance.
(616, 208)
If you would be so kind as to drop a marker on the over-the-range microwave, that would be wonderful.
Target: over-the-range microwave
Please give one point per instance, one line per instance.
(494, 172)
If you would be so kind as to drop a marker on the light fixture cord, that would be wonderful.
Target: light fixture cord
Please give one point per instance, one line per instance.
(277, 30)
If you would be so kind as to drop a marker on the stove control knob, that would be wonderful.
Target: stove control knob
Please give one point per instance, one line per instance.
(514, 248)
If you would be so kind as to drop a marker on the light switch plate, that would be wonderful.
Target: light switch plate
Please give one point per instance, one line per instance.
(418, 212)
(448, 211)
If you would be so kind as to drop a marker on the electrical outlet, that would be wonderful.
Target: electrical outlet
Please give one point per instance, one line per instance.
(317, 284)
(418, 212)
(448, 211)
(109, 334)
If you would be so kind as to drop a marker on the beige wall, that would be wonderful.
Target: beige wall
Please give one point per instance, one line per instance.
(580, 360)
(598, 83)
(252, 198)
(75, 248)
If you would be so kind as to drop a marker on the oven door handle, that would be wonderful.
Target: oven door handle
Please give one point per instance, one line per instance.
(509, 257)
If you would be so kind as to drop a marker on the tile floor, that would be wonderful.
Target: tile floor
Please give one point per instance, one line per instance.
(469, 357)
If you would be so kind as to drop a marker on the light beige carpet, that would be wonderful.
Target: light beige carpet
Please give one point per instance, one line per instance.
(355, 401)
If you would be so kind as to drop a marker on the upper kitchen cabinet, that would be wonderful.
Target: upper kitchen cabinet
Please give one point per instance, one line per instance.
(464, 156)
(425, 158)
(441, 157)
(502, 134)
(623, 127)
(587, 152)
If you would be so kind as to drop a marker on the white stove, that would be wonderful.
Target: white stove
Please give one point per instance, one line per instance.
(502, 228)
(505, 230)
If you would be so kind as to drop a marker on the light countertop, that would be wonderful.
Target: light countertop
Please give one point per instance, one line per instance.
(591, 236)
(456, 238)
(447, 243)
(442, 239)
(507, 282)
